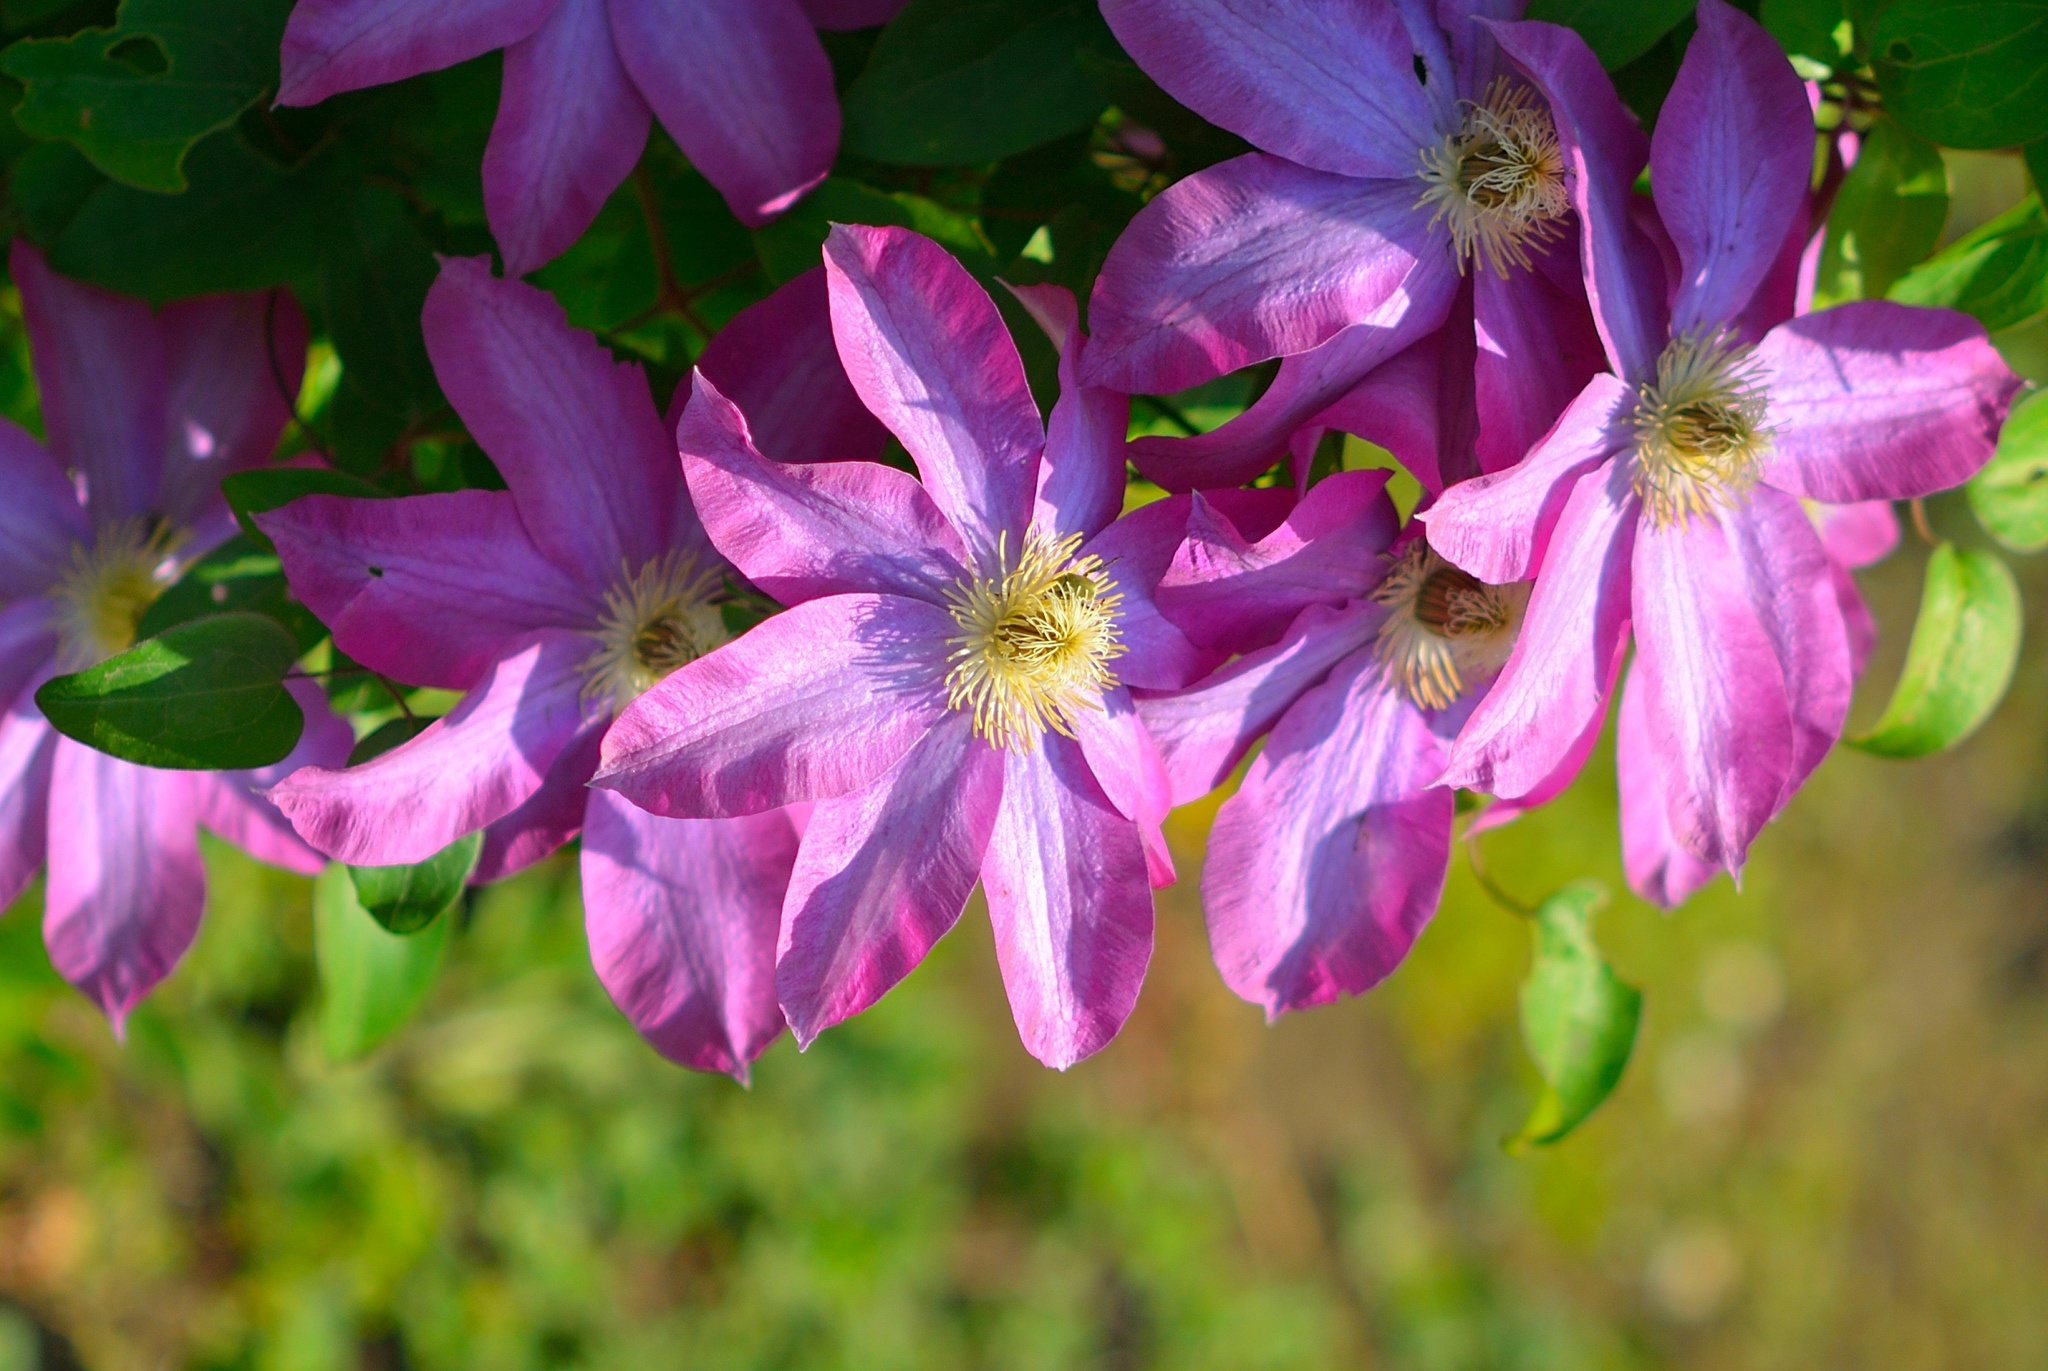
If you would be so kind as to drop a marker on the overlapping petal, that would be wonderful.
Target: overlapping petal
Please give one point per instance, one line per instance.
(41, 518)
(232, 369)
(1658, 869)
(337, 45)
(28, 747)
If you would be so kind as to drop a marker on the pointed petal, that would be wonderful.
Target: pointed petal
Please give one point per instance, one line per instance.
(232, 361)
(1857, 535)
(882, 874)
(571, 126)
(1658, 869)
(812, 704)
(28, 746)
(1128, 767)
(40, 520)
(1876, 401)
(799, 532)
(1537, 350)
(546, 819)
(337, 45)
(682, 917)
(232, 804)
(744, 89)
(1081, 477)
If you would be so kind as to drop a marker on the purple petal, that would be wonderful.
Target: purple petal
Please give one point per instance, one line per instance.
(744, 89)
(546, 819)
(232, 804)
(469, 769)
(1503, 812)
(1857, 621)
(799, 532)
(233, 368)
(1876, 401)
(851, 14)
(1499, 527)
(1128, 767)
(28, 746)
(574, 433)
(778, 362)
(571, 126)
(40, 520)
(1255, 258)
(1135, 552)
(1330, 858)
(1857, 535)
(1537, 350)
(1081, 476)
(930, 356)
(1731, 159)
(1330, 84)
(337, 45)
(429, 589)
(1407, 404)
(812, 704)
(28, 646)
(126, 884)
(882, 874)
(1658, 869)
(682, 916)
(1067, 894)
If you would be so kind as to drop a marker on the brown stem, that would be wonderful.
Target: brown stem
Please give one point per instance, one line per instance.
(1487, 883)
(1920, 524)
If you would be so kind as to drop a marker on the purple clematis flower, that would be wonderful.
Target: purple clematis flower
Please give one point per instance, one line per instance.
(552, 604)
(742, 85)
(145, 412)
(1408, 214)
(950, 684)
(1666, 503)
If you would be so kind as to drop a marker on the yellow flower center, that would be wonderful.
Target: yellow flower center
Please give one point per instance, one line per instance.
(102, 597)
(1700, 429)
(1498, 182)
(663, 616)
(1035, 642)
(1445, 630)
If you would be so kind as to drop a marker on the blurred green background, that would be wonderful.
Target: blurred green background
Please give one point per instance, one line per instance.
(1830, 1150)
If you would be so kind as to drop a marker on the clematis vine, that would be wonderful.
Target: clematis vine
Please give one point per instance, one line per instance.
(145, 411)
(950, 685)
(743, 86)
(1666, 505)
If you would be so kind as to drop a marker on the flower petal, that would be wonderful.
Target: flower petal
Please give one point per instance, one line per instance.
(682, 916)
(1081, 477)
(1876, 401)
(1128, 767)
(882, 874)
(571, 126)
(1856, 535)
(338, 45)
(1537, 351)
(28, 746)
(233, 366)
(1658, 869)
(546, 819)
(743, 87)
(811, 704)
(40, 520)
(232, 805)
(1135, 552)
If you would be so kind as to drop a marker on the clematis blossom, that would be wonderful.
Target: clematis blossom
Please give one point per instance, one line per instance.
(551, 605)
(950, 685)
(145, 411)
(1666, 504)
(743, 86)
(1403, 239)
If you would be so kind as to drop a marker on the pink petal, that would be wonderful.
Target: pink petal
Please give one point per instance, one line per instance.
(811, 704)
(546, 819)
(1081, 477)
(571, 126)
(40, 520)
(1135, 552)
(1876, 401)
(1857, 621)
(799, 532)
(682, 916)
(28, 646)
(1537, 350)
(231, 804)
(1330, 858)
(1067, 893)
(337, 45)
(28, 746)
(1128, 767)
(744, 89)
(1658, 869)
(429, 589)
(233, 365)
(1503, 812)
(931, 357)
(851, 14)
(469, 769)
(882, 874)
(1857, 535)
(1407, 404)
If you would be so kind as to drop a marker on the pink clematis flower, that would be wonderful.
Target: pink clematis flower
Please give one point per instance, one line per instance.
(146, 412)
(1405, 234)
(552, 604)
(742, 85)
(950, 684)
(1666, 503)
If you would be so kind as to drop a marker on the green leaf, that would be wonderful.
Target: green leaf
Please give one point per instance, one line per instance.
(1887, 216)
(1618, 31)
(1806, 28)
(375, 270)
(2036, 157)
(1997, 272)
(382, 739)
(2010, 495)
(1966, 75)
(205, 695)
(793, 244)
(237, 576)
(48, 185)
(1578, 1018)
(371, 981)
(1960, 661)
(406, 899)
(962, 82)
(250, 493)
(136, 97)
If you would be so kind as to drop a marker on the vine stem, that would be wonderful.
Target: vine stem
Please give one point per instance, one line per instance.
(1920, 524)
(1489, 885)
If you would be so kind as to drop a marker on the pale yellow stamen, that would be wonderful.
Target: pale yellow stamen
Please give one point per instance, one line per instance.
(1035, 642)
(658, 618)
(1445, 631)
(1498, 182)
(110, 585)
(1701, 435)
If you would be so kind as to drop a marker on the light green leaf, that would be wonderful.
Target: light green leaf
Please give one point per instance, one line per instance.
(1887, 216)
(1998, 272)
(1965, 645)
(1966, 75)
(2010, 495)
(371, 981)
(1578, 1018)
(406, 899)
(1618, 31)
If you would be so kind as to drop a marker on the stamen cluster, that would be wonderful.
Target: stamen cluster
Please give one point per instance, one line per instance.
(659, 618)
(1498, 183)
(1446, 630)
(1700, 429)
(110, 585)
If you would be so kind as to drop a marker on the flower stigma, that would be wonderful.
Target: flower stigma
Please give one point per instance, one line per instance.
(101, 598)
(657, 619)
(1445, 630)
(1498, 182)
(1035, 642)
(1700, 429)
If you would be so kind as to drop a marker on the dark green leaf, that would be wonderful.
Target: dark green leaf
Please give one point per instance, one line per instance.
(381, 740)
(376, 269)
(405, 899)
(257, 492)
(793, 244)
(1966, 75)
(1618, 31)
(1998, 272)
(371, 981)
(237, 576)
(1806, 28)
(1887, 216)
(1965, 645)
(206, 695)
(2010, 495)
(2036, 154)
(48, 185)
(1578, 1018)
